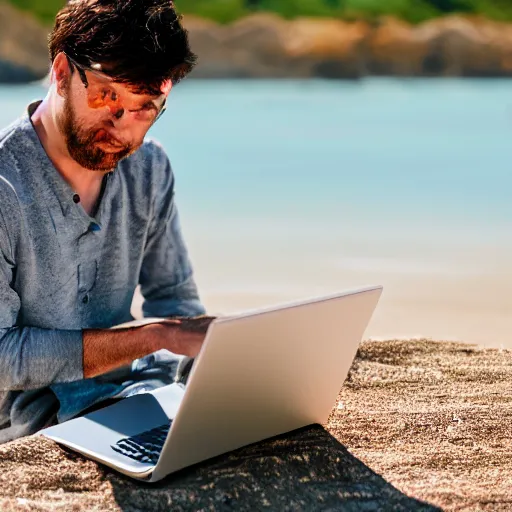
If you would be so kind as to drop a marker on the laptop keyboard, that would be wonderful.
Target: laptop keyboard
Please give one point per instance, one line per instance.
(144, 447)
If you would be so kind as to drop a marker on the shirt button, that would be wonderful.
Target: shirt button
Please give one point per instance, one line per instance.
(85, 300)
(76, 198)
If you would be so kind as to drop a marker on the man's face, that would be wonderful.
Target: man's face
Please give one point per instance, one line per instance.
(105, 122)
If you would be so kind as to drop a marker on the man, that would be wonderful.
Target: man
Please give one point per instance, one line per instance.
(87, 213)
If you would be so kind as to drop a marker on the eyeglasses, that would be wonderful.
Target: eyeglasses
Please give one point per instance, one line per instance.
(101, 93)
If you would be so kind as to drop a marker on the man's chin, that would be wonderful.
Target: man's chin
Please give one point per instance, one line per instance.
(111, 149)
(106, 163)
(99, 159)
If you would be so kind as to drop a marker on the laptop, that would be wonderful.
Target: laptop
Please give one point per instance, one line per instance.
(259, 374)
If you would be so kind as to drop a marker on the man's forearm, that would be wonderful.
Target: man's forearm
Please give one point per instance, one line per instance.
(33, 358)
(107, 350)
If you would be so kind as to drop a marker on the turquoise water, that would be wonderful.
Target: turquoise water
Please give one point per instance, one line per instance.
(287, 188)
(329, 149)
(431, 149)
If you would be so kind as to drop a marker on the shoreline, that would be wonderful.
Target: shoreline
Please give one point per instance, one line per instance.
(474, 327)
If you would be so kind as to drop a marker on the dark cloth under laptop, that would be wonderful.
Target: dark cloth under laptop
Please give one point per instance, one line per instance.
(35, 410)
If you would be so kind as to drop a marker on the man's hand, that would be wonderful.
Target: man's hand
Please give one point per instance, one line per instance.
(107, 350)
(184, 334)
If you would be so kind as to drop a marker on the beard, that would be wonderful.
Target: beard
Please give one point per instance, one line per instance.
(82, 143)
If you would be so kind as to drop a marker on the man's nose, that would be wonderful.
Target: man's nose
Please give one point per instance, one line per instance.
(117, 111)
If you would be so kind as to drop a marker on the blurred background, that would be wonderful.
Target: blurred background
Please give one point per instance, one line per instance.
(322, 145)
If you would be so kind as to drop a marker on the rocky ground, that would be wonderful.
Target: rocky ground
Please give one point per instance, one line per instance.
(266, 46)
(418, 425)
(23, 50)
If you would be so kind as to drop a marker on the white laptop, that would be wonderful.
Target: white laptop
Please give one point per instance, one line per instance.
(258, 375)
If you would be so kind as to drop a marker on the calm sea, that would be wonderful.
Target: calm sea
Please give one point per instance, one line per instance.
(295, 188)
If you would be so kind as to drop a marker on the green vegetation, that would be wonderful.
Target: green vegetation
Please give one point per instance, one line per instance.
(225, 11)
(45, 10)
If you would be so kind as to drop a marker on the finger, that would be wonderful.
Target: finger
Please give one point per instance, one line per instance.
(172, 321)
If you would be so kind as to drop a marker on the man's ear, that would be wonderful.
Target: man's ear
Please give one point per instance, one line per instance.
(61, 71)
(166, 87)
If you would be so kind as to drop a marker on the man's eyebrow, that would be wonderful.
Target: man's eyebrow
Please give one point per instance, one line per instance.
(145, 96)
(148, 102)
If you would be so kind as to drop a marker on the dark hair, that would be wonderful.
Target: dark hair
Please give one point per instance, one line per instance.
(140, 42)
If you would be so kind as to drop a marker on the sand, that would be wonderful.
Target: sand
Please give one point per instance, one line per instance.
(419, 425)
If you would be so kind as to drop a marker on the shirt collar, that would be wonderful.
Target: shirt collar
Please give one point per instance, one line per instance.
(55, 180)
(63, 190)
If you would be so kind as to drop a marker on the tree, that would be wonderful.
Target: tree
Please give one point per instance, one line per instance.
(453, 5)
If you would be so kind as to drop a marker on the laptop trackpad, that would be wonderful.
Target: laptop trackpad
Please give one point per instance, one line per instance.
(140, 412)
(130, 415)
(97, 431)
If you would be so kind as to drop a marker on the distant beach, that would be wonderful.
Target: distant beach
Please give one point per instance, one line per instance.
(291, 189)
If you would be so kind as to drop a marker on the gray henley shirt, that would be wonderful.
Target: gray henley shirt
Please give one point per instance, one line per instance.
(62, 271)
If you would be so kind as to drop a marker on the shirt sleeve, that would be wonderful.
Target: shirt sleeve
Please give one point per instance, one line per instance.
(166, 279)
(30, 357)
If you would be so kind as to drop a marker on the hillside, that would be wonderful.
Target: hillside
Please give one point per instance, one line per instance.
(264, 45)
(23, 53)
(225, 11)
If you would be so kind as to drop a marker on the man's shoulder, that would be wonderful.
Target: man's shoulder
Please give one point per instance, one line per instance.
(14, 143)
(151, 153)
(149, 165)
(11, 145)
(10, 135)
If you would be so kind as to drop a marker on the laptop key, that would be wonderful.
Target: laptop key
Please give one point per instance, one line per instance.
(144, 447)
